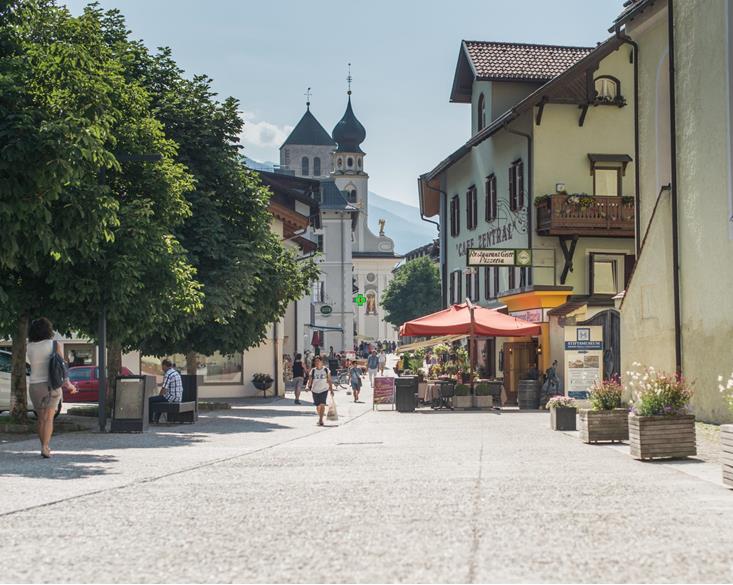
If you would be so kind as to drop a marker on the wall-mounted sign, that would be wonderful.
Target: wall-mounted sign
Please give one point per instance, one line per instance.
(498, 257)
(326, 309)
(583, 359)
(360, 300)
(531, 315)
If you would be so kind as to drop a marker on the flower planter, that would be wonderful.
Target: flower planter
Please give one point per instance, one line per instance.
(726, 452)
(604, 425)
(483, 401)
(463, 402)
(563, 419)
(652, 437)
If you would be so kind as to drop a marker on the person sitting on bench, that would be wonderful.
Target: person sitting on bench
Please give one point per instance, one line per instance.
(172, 389)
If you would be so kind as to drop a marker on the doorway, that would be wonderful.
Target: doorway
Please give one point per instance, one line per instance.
(518, 357)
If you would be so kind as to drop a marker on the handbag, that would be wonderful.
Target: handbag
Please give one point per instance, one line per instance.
(332, 412)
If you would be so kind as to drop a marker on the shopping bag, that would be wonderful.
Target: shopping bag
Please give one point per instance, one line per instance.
(332, 413)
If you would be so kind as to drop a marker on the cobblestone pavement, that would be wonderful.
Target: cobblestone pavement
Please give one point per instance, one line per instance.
(259, 493)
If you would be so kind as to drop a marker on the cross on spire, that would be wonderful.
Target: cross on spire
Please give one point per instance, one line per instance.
(307, 95)
(348, 80)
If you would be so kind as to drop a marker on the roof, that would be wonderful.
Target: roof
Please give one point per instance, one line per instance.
(349, 132)
(309, 132)
(519, 62)
(332, 199)
(632, 8)
(298, 188)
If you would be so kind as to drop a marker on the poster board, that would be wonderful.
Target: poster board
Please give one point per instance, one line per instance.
(383, 391)
(583, 359)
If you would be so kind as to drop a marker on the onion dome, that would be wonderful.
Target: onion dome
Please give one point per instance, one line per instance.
(349, 133)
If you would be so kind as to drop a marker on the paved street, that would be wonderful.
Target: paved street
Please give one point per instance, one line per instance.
(259, 493)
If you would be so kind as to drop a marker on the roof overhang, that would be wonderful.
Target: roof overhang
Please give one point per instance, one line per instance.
(463, 78)
(630, 13)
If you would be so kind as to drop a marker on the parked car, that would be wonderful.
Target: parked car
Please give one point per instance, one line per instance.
(6, 361)
(86, 380)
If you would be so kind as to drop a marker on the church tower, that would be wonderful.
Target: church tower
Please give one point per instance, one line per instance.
(307, 151)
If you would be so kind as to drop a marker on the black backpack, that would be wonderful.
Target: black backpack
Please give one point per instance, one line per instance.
(58, 371)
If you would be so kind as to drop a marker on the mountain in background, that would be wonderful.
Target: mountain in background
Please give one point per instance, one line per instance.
(402, 221)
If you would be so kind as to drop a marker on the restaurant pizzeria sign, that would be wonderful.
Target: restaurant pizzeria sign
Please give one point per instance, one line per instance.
(498, 257)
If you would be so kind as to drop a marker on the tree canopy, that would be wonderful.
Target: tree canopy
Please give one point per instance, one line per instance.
(413, 292)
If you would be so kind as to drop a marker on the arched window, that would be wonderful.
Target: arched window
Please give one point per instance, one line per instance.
(316, 166)
(349, 162)
(340, 162)
(481, 113)
(607, 88)
(358, 162)
(304, 166)
(352, 196)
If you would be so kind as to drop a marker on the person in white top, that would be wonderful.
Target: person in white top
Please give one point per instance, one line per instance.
(320, 384)
(382, 362)
(45, 399)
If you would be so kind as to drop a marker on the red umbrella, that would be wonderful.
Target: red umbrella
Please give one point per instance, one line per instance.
(456, 320)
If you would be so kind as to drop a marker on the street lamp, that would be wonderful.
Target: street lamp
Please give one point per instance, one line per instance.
(102, 331)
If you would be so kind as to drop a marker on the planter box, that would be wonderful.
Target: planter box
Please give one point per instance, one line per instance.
(726, 453)
(563, 419)
(651, 437)
(483, 401)
(604, 425)
(463, 402)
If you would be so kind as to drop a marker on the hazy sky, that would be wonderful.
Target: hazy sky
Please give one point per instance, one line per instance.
(403, 56)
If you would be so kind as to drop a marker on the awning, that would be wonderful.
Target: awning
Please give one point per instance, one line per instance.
(456, 319)
(429, 343)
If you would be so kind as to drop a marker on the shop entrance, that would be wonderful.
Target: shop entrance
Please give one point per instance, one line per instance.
(518, 357)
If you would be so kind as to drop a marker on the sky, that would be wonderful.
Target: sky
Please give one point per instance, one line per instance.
(402, 54)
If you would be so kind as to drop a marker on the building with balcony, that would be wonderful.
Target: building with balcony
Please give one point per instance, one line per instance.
(548, 168)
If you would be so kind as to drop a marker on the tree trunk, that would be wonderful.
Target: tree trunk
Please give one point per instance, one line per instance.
(114, 365)
(18, 375)
(192, 363)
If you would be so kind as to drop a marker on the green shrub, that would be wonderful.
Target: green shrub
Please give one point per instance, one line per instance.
(606, 395)
(463, 390)
(483, 389)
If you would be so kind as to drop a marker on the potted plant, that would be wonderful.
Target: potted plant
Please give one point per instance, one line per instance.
(659, 425)
(606, 420)
(462, 398)
(726, 433)
(562, 413)
(262, 382)
(483, 397)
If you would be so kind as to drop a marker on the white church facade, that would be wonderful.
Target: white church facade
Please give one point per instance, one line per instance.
(356, 265)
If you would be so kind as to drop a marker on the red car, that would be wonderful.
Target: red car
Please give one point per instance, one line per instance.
(86, 379)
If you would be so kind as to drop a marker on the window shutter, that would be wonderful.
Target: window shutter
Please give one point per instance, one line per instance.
(487, 282)
(520, 184)
(512, 188)
(452, 287)
(494, 198)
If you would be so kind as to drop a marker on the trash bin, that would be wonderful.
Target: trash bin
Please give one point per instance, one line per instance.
(130, 406)
(406, 393)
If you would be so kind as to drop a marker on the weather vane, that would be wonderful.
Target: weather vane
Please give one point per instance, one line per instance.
(307, 95)
(348, 79)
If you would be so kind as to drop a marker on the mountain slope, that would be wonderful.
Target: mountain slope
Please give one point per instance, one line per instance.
(402, 223)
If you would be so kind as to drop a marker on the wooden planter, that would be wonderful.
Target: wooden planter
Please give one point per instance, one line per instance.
(483, 401)
(604, 425)
(726, 452)
(463, 402)
(651, 437)
(563, 419)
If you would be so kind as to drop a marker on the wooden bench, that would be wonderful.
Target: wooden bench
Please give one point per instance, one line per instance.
(186, 411)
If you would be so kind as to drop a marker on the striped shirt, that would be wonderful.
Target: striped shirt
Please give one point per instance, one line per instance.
(173, 386)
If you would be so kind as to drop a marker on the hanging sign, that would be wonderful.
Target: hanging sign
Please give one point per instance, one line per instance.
(583, 359)
(383, 390)
(326, 309)
(499, 257)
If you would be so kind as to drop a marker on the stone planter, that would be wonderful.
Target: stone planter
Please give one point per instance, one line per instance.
(726, 453)
(463, 402)
(563, 419)
(483, 401)
(604, 425)
(651, 437)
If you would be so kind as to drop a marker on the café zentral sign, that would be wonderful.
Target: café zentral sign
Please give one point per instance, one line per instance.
(498, 257)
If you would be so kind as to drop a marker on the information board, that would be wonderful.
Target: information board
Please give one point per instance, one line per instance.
(498, 257)
(383, 390)
(583, 359)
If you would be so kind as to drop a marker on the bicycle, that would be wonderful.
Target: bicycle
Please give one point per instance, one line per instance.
(342, 379)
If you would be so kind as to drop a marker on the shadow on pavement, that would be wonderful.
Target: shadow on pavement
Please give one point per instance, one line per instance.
(61, 465)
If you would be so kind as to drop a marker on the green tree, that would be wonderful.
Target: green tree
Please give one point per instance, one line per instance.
(413, 292)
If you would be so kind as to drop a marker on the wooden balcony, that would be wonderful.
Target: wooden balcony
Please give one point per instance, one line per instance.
(603, 217)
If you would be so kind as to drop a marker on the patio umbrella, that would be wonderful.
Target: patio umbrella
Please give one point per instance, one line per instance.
(456, 319)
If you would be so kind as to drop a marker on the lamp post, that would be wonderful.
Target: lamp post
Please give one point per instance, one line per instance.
(102, 330)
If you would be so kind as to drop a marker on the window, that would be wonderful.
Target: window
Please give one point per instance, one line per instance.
(516, 185)
(339, 162)
(491, 202)
(455, 216)
(607, 181)
(320, 242)
(607, 273)
(607, 88)
(318, 292)
(491, 282)
(471, 208)
(358, 162)
(5, 363)
(316, 166)
(475, 286)
(456, 287)
(512, 278)
(349, 162)
(469, 282)
(523, 276)
(80, 374)
(481, 113)
(304, 166)
(352, 196)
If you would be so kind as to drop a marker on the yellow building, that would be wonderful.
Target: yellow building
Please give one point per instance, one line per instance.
(677, 312)
(548, 167)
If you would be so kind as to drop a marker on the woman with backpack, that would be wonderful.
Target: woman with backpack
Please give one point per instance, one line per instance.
(41, 348)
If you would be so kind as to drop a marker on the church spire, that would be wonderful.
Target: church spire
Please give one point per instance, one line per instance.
(349, 132)
(307, 95)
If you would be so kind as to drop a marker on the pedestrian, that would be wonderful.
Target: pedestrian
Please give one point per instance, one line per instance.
(372, 365)
(330, 352)
(298, 376)
(354, 378)
(382, 362)
(320, 384)
(45, 399)
(170, 391)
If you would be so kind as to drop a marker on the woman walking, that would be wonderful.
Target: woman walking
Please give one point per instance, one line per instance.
(45, 399)
(298, 376)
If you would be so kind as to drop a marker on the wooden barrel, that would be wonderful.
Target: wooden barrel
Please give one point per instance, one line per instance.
(528, 397)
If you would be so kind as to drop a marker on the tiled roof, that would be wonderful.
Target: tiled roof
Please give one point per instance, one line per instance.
(309, 132)
(631, 8)
(520, 61)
